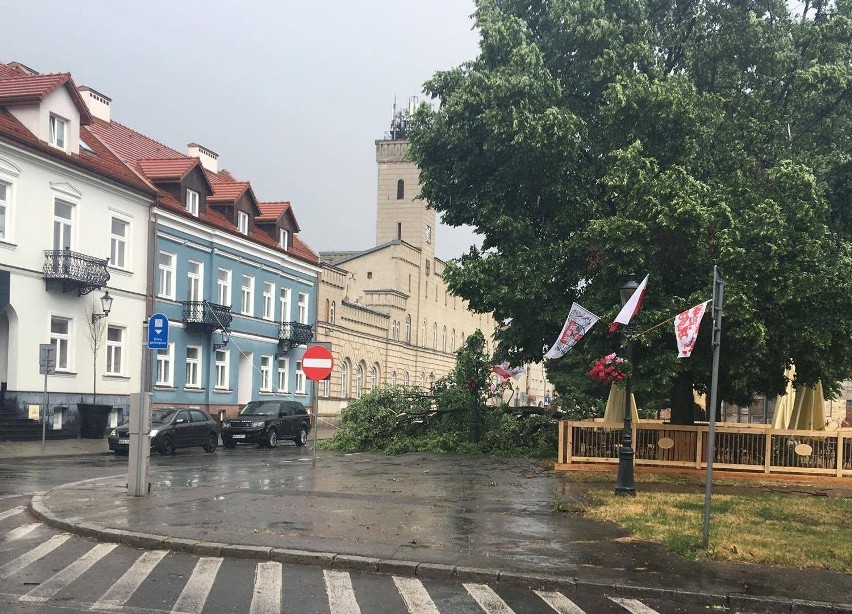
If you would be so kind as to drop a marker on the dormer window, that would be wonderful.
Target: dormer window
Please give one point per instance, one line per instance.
(243, 222)
(283, 238)
(57, 131)
(192, 200)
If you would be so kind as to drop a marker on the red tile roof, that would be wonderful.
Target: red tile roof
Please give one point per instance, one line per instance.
(271, 211)
(18, 89)
(228, 192)
(167, 168)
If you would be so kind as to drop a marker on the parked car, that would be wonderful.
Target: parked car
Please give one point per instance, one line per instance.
(172, 428)
(267, 422)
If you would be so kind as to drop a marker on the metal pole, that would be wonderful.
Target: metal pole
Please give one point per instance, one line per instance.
(315, 395)
(718, 292)
(625, 485)
(44, 413)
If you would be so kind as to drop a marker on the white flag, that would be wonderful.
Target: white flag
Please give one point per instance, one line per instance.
(686, 329)
(578, 323)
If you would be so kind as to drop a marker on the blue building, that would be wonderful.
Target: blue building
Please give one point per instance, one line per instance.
(237, 284)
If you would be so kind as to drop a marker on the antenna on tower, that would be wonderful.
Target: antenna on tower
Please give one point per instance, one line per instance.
(401, 120)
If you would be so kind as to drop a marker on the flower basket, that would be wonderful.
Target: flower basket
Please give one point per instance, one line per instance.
(609, 369)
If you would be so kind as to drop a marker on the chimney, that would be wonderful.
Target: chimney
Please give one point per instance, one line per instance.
(209, 158)
(97, 103)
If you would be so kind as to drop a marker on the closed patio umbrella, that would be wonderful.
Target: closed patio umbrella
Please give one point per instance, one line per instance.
(615, 405)
(809, 409)
(784, 403)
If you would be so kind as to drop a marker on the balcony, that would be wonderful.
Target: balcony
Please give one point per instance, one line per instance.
(76, 271)
(291, 334)
(204, 315)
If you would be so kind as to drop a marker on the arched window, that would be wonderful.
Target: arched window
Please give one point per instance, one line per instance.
(431, 381)
(444, 340)
(374, 377)
(359, 380)
(423, 379)
(331, 311)
(423, 333)
(434, 335)
(393, 378)
(453, 341)
(405, 379)
(344, 379)
(400, 189)
(327, 310)
(408, 329)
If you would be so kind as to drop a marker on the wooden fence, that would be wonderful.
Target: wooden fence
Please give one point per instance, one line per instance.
(755, 448)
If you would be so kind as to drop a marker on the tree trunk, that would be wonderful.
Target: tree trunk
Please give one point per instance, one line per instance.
(683, 403)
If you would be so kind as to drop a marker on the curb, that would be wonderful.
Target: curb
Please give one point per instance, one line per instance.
(350, 562)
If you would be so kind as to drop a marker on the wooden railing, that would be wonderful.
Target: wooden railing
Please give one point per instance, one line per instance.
(753, 448)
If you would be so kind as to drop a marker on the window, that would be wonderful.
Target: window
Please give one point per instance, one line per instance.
(114, 350)
(428, 268)
(444, 340)
(428, 234)
(266, 373)
(118, 243)
(222, 369)
(268, 300)
(422, 379)
(283, 238)
(192, 202)
(248, 296)
(166, 278)
(393, 378)
(434, 335)
(193, 366)
(453, 341)
(284, 301)
(331, 313)
(57, 417)
(243, 222)
(405, 379)
(374, 377)
(325, 390)
(300, 378)
(62, 221)
(60, 335)
(423, 333)
(166, 366)
(223, 285)
(359, 381)
(57, 132)
(408, 329)
(400, 189)
(303, 308)
(344, 379)
(195, 281)
(283, 374)
(5, 198)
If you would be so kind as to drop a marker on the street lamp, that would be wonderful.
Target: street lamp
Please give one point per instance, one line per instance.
(625, 487)
(106, 305)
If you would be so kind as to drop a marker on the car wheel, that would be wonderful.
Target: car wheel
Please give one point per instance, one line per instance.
(302, 438)
(271, 437)
(212, 443)
(167, 446)
(229, 443)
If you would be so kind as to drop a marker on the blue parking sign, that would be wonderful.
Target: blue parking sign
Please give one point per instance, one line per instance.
(158, 332)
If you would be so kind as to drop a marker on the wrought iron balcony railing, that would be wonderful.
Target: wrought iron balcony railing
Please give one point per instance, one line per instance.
(291, 334)
(76, 271)
(204, 314)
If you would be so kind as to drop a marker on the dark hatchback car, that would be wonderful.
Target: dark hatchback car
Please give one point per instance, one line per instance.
(266, 422)
(172, 428)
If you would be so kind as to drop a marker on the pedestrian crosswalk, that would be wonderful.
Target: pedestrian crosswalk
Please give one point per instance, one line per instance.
(41, 566)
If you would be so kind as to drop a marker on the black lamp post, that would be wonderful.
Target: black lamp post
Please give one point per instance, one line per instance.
(625, 486)
(106, 305)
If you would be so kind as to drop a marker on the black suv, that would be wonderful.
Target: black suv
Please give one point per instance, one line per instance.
(172, 428)
(265, 422)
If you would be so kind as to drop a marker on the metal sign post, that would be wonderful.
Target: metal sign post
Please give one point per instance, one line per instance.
(718, 292)
(47, 366)
(317, 364)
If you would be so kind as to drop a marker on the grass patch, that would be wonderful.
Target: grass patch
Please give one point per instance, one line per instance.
(757, 528)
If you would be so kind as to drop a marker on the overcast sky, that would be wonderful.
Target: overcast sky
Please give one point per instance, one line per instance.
(290, 94)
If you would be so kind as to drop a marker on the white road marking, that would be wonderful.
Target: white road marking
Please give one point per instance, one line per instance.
(60, 580)
(633, 605)
(417, 600)
(21, 531)
(341, 595)
(559, 602)
(487, 599)
(11, 512)
(126, 585)
(195, 593)
(33, 555)
(267, 589)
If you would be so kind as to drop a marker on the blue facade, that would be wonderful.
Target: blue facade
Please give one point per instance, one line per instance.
(256, 362)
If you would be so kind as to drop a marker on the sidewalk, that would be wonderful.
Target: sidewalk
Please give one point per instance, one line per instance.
(474, 518)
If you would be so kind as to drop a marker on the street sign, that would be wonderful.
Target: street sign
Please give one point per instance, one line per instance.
(46, 359)
(317, 363)
(158, 332)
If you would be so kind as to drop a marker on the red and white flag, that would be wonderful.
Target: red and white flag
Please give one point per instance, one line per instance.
(631, 307)
(505, 371)
(686, 329)
(577, 324)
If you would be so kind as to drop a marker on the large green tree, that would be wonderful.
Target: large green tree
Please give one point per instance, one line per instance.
(594, 138)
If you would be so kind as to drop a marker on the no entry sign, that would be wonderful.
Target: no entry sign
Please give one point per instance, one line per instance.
(317, 363)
